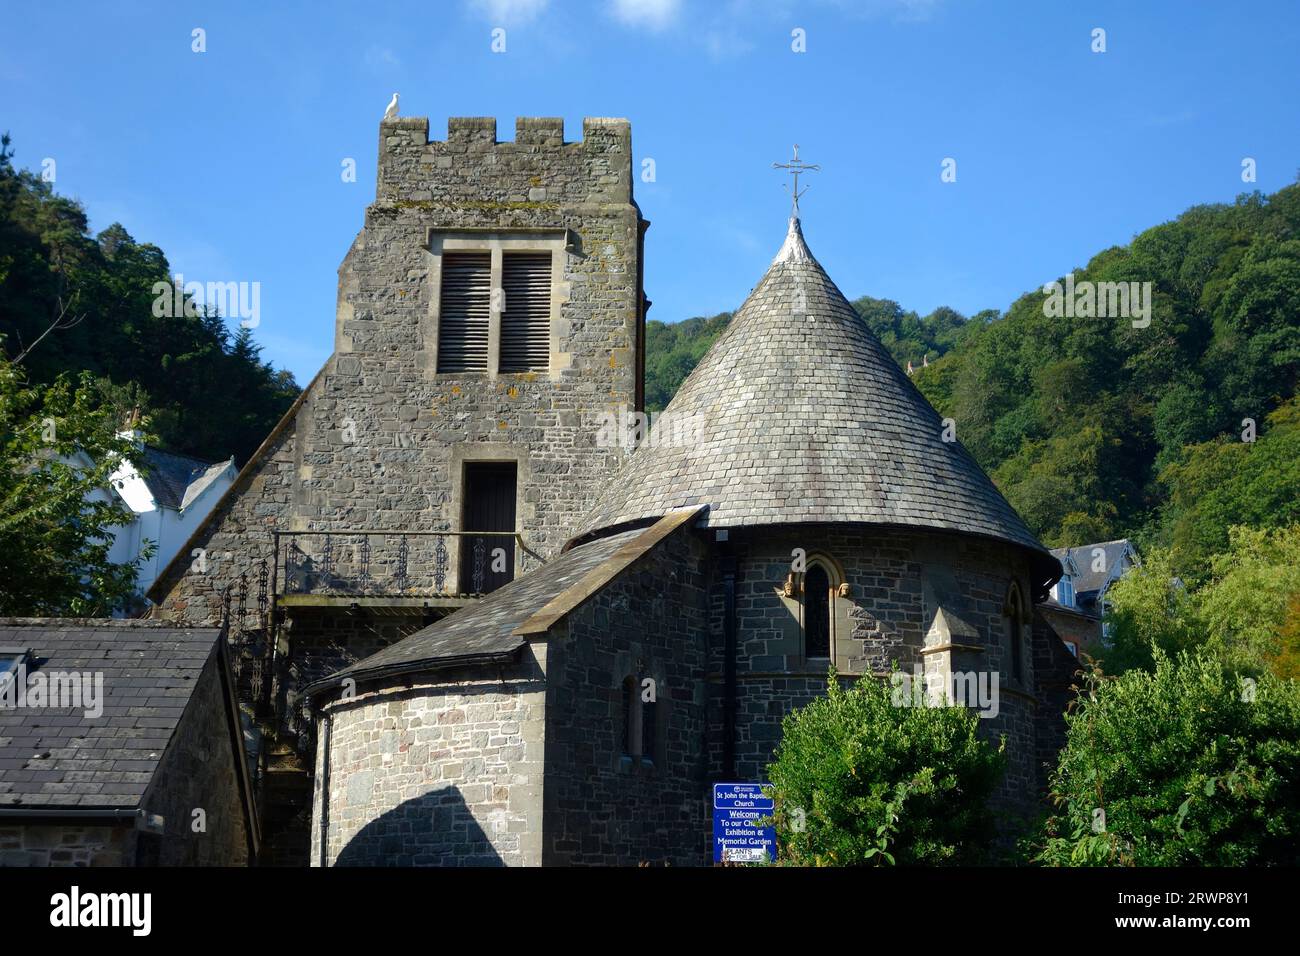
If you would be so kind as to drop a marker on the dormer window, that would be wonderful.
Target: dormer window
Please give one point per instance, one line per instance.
(1065, 591)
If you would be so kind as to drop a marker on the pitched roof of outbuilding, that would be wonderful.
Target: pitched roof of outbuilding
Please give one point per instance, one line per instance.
(804, 417)
(60, 757)
(485, 630)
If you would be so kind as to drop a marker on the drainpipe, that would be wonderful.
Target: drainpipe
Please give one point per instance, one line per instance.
(323, 742)
(727, 565)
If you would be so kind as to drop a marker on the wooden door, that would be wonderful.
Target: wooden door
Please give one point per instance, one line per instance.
(489, 506)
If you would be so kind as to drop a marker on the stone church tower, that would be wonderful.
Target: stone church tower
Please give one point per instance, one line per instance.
(816, 513)
(489, 310)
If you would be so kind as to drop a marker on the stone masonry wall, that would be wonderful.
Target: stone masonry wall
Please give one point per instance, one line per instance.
(381, 438)
(330, 639)
(385, 380)
(66, 844)
(198, 771)
(435, 775)
(896, 578)
(1059, 674)
(604, 807)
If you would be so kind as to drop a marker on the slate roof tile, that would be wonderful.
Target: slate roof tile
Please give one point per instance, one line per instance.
(484, 628)
(149, 671)
(806, 417)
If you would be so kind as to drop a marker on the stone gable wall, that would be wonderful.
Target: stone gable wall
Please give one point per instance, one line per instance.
(604, 807)
(380, 441)
(198, 771)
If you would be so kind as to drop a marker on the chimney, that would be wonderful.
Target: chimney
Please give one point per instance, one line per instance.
(131, 428)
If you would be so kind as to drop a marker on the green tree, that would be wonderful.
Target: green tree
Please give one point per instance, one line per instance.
(1216, 485)
(1238, 612)
(59, 452)
(73, 302)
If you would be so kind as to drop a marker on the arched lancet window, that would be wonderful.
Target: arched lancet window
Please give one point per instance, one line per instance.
(648, 715)
(639, 721)
(1013, 618)
(816, 612)
(631, 718)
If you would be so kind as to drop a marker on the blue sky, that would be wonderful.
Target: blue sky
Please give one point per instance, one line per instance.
(230, 159)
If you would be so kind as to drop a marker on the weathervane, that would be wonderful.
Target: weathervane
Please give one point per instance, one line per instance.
(797, 166)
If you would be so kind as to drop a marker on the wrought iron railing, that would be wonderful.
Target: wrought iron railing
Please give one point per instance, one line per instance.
(246, 628)
(398, 563)
(414, 564)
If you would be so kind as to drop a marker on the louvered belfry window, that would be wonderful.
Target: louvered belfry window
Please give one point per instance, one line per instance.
(526, 320)
(465, 309)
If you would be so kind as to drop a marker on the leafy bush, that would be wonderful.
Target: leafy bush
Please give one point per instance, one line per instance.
(1190, 765)
(859, 781)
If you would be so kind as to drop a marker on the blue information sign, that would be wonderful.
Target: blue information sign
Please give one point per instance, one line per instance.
(737, 837)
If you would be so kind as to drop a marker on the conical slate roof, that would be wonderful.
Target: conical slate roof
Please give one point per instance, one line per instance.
(804, 417)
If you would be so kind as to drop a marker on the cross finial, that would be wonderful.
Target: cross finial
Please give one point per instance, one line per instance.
(797, 166)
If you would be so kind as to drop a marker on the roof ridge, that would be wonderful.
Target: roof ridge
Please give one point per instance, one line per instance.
(180, 455)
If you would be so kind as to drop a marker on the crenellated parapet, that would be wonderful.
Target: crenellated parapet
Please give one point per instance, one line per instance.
(538, 166)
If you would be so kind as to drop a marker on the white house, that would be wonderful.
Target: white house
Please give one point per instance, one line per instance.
(168, 500)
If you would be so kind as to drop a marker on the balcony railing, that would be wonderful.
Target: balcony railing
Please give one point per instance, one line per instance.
(397, 564)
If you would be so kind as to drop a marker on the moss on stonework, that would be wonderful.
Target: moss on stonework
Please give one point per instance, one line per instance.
(429, 205)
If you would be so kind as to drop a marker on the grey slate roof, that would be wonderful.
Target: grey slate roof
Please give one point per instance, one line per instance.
(483, 630)
(175, 480)
(60, 758)
(1088, 580)
(806, 418)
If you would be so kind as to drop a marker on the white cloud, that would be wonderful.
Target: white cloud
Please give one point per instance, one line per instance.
(723, 44)
(655, 14)
(509, 11)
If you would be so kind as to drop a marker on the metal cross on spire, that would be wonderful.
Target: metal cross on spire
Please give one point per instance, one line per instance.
(797, 166)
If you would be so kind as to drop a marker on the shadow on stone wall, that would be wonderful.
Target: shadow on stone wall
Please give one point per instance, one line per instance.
(435, 829)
